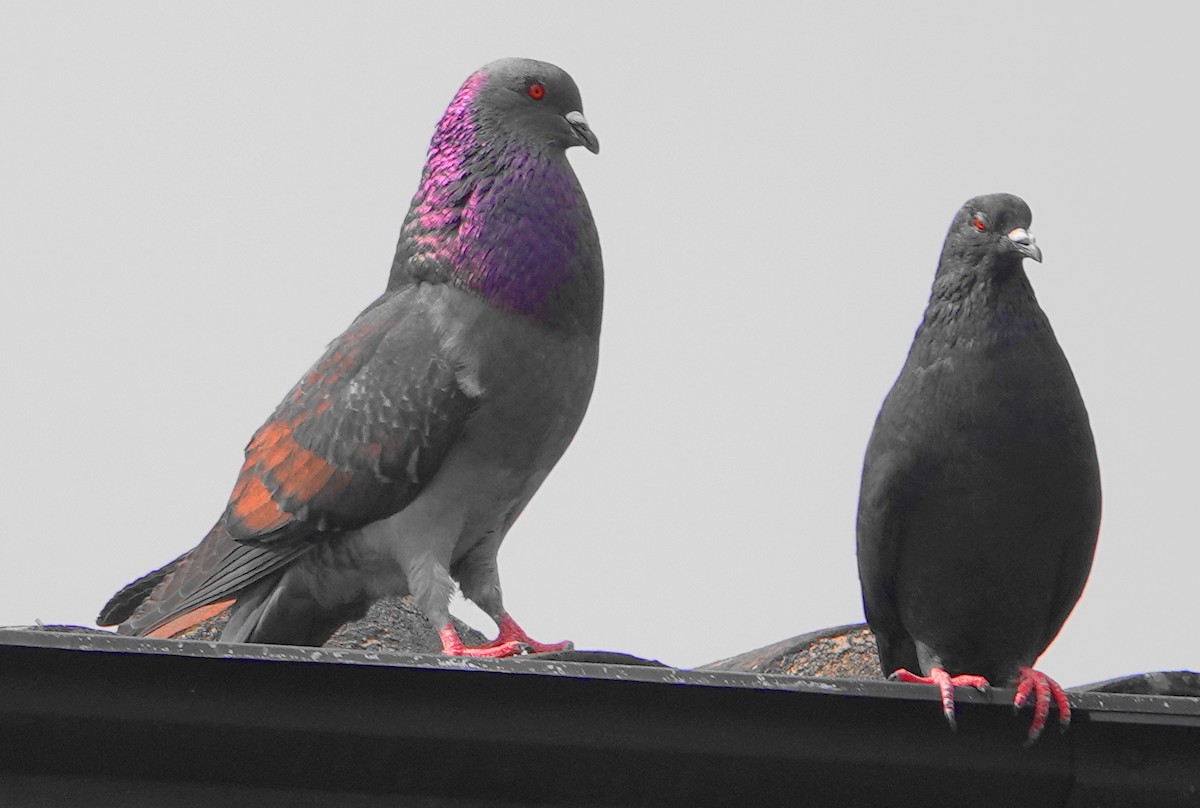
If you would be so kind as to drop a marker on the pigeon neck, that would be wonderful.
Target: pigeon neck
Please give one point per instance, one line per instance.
(505, 222)
(978, 305)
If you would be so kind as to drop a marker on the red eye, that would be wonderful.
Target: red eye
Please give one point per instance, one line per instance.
(978, 223)
(536, 91)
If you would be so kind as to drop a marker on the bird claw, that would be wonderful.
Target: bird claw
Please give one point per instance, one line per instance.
(945, 685)
(531, 646)
(512, 641)
(491, 651)
(1044, 690)
(547, 648)
(452, 645)
(511, 632)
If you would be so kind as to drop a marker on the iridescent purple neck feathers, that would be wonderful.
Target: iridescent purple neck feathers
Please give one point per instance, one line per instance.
(502, 220)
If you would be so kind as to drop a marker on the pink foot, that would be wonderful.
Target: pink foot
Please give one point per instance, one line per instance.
(510, 632)
(1043, 689)
(452, 645)
(945, 683)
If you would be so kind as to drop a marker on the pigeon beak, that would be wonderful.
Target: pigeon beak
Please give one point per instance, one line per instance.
(1025, 244)
(586, 137)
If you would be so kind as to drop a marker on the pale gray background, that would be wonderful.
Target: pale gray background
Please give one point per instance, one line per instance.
(193, 201)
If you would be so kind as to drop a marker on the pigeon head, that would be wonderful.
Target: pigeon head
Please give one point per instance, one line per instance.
(991, 232)
(499, 210)
(534, 103)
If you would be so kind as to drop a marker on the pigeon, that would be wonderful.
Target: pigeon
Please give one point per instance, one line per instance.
(980, 502)
(400, 460)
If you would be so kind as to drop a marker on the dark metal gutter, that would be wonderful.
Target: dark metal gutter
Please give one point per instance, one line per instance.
(107, 720)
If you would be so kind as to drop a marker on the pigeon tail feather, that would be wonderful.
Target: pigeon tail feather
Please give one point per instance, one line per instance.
(185, 621)
(121, 606)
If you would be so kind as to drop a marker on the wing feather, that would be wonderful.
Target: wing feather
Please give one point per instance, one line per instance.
(355, 441)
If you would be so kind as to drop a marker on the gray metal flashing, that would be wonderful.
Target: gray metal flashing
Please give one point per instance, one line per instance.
(178, 722)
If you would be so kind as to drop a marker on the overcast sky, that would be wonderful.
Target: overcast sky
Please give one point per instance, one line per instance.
(195, 199)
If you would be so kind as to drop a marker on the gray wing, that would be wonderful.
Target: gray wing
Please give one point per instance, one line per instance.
(354, 442)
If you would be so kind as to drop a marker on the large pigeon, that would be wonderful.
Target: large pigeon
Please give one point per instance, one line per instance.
(980, 500)
(399, 462)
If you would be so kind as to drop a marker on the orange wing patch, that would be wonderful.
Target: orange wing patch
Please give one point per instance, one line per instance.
(282, 483)
(302, 475)
(253, 505)
(278, 478)
(189, 619)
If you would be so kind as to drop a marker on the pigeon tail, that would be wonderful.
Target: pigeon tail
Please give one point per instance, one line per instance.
(121, 606)
(186, 620)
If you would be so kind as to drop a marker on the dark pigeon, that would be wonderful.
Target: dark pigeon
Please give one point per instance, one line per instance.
(980, 500)
(400, 460)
